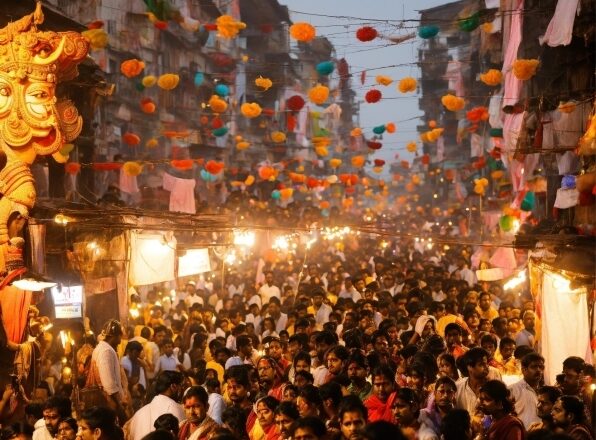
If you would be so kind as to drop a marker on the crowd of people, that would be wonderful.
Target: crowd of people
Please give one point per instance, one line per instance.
(371, 340)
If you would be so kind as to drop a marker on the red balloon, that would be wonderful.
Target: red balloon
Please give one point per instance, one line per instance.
(425, 159)
(366, 33)
(295, 103)
(216, 123)
(374, 145)
(373, 96)
(379, 162)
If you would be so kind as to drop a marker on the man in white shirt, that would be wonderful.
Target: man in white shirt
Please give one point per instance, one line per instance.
(133, 364)
(169, 385)
(152, 352)
(525, 391)
(269, 290)
(55, 409)
(322, 310)
(105, 359)
(348, 291)
(168, 360)
(191, 295)
(474, 366)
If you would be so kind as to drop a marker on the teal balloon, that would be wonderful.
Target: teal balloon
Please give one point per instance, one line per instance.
(506, 223)
(222, 90)
(529, 201)
(199, 78)
(207, 176)
(139, 86)
(325, 68)
(428, 31)
(325, 212)
(275, 194)
(496, 132)
(379, 129)
(218, 132)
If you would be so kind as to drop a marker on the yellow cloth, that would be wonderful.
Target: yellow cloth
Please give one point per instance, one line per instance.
(490, 314)
(218, 368)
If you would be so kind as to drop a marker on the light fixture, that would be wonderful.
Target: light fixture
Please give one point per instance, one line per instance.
(515, 281)
(32, 282)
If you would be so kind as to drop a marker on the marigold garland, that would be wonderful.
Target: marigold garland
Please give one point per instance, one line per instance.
(318, 94)
(407, 84)
(452, 102)
(525, 69)
(491, 77)
(263, 83)
(132, 68)
(304, 32)
(250, 110)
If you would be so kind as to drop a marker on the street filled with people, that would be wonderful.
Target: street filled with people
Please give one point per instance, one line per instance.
(359, 338)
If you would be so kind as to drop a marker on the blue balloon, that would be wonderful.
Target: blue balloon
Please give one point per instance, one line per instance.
(275, 194)
(222, 90)
(568, 182)
(199, 78)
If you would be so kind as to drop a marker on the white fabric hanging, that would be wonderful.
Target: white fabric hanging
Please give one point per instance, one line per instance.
(560, 28)
(565, 326)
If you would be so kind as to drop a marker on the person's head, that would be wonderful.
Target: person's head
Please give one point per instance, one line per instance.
(167, 347)
(336, 358)
(159, 334)
(383, 382)
(546, 397)
(309, 401)
(33, 412)
(323, 342)
(453, 335)
(447, 367)
(318, 295)
(196, 404)
(489, 343)
(267, 370)
(238, 384)
(444, 393)
(474, 364)
(529, 320)
(134, 350)
(269, 277)
(68, 429)
(500, 326)
(244, 345)
(353, 416)
(55, 409)
(285, 415)
(357, 368)
(494, 398)
(171, 384)
(168, 423)
(308, 428)
(303, 378)
(273, 347)
(380, 342)
(112, 332)
(406, 407)
(532, 366)
(572, 370)
(506, 347)
(568, 410)
(381, 430)
(99, 423)
(265, 409)
(456, 425)
(484, 301)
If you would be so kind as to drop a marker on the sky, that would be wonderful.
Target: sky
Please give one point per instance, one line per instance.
(343, 18)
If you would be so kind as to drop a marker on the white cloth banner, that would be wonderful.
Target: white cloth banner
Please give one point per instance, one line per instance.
(195, 261)
(152, 259)
(565, 326)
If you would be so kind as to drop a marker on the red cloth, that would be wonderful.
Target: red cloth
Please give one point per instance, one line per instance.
(15, 307)
(378, 410)
(507, 428)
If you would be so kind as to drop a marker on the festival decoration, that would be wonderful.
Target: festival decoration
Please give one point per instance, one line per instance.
(331, 179)
(149, 81)
(322, 151)
(525, 69)
(132, 168)
(529, 202)
(334, 163)
(366, 33)
(407, 84)
(295, 103)
(390, 127)
(297, 177)
(278, 137)
(131, 139)
(325, 68)
(497, 174)
(214, 167)
(506, 223)
(219, 132)
(242, 145)
(72, 168)
(567, 107)
(374, 145)
(379, 129)
(405, 164)
(97, 38)
(425, 159)
(263, 83)
(383, 80)
(357, 131)
(470, 23)
(199, 79)
(221, 90)
(379, 162)
(432, 123)
(168, 81)
(250, 110)
(286, 193)
(452, 102)
(249, 180)
(491, 77)
(427, 32)
(480, 186)
(477, 114)
(318, 94)
(151, 143)
(148, 106)
(587, 143)
(131, 68)
(304, 32)
(182, 164)
(228, 27)
(358, 161)
(373, 96)
(411, 147)
(217, 104)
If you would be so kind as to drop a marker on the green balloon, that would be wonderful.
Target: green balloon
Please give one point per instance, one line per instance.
(506, 223)
(379, 129)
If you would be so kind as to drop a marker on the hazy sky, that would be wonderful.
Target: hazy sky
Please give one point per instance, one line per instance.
(387, 16)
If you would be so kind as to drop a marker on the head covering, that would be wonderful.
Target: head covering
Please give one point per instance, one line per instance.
(112, 328)
(421, 322)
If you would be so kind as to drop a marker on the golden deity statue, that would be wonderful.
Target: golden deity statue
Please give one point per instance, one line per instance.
(33, 121)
